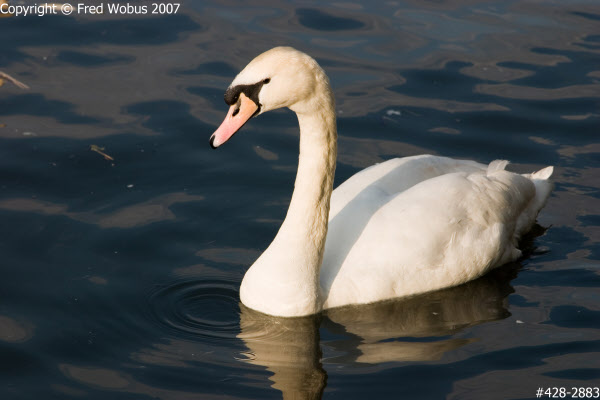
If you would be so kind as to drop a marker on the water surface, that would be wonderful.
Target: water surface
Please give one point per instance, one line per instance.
(121, 276)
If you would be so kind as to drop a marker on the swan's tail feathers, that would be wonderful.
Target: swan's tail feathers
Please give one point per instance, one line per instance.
(497, 165)
(543, 173)
(543, 187)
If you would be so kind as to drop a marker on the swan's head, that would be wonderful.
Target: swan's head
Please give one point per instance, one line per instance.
(280, 77)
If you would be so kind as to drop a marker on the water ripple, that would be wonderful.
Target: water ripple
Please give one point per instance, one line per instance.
(207, 308)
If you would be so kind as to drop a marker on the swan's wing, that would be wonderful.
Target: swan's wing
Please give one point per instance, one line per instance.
(438, 233)
(395, 176)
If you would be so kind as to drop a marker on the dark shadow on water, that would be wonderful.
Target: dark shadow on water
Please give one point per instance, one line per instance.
(316, 19)
(575, 317)
(572, 72)
(587, 15)
(580, 374)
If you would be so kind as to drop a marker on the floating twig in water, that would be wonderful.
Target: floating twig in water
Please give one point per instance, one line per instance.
(100, 151)
(9, 78)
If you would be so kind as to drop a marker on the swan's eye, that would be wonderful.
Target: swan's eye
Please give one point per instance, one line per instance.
(267, 81)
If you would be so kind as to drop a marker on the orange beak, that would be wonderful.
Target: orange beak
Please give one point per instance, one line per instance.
(238, 115)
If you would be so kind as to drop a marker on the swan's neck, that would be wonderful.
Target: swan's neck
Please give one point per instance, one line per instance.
(285, 279)
(307, 216)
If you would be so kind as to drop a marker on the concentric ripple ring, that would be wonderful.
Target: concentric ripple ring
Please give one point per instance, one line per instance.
(208, 308)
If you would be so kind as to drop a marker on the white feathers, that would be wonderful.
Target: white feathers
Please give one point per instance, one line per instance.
(497, 165)
(543, 174)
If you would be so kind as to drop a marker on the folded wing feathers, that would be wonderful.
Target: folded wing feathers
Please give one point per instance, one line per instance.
(497, 165)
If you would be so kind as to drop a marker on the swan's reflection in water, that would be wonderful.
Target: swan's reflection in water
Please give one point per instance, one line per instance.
(288, 347)
(412, 329)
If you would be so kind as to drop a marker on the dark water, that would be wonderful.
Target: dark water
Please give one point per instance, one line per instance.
(120, 278)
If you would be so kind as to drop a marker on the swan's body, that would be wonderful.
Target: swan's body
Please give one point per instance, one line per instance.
(403, 227)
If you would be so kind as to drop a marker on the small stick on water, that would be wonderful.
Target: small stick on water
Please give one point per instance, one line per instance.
(16, 82)
(98, 150)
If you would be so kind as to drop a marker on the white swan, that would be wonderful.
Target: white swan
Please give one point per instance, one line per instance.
(406, 226)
